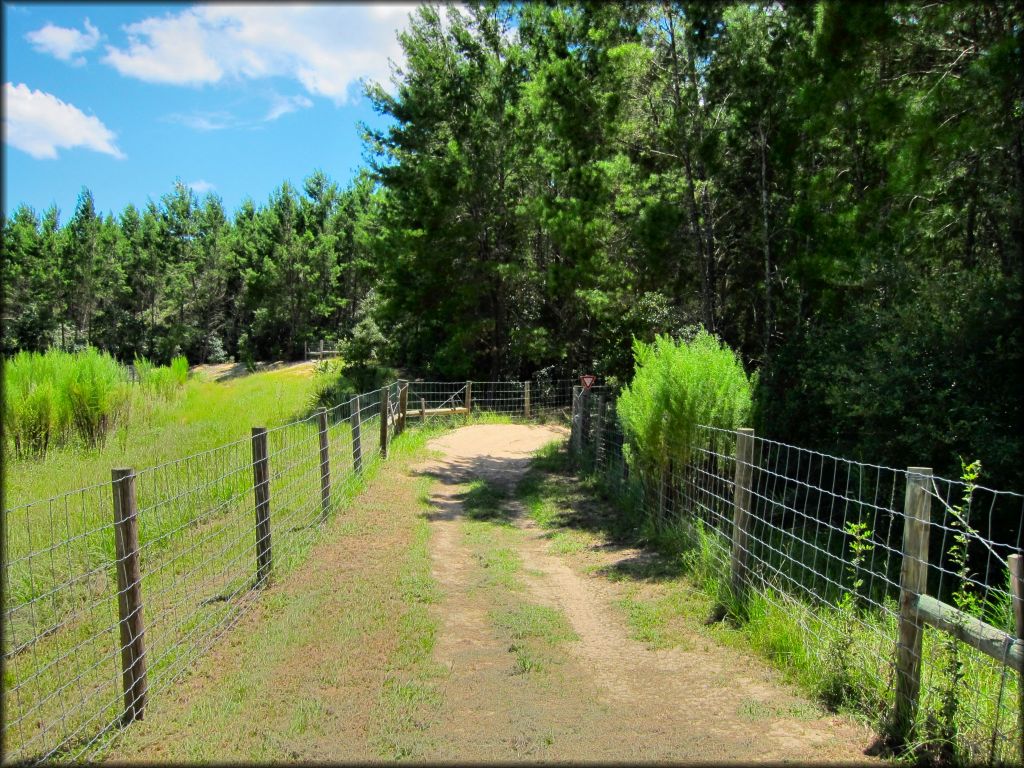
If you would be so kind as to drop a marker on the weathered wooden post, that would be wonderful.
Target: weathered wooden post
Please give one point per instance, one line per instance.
(574, 423)
(129, 594)
(325, 463)
(261, 490)
(357, 446)
(403, 404)
(526, 399)
(469, 399)
(913, 582)
(1016, 563)
(741, 512)
(385, 406)
(584, 416)
(599, 432)
(423, 411)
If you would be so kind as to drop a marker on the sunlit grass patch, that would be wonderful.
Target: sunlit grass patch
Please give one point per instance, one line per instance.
(568, 542)
(485, 501)
(534, 621)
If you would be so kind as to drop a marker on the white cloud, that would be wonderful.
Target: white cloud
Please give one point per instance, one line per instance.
(39, 123)
(201, 186)
(205, 121)
(326, 48)
(284, 104)
(65, 42)
(169, 49)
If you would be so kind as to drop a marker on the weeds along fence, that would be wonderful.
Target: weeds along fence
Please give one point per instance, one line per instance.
(111, 591)
(893, 591)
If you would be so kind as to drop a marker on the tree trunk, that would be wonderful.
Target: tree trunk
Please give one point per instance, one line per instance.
(704, 256)
(769, 314)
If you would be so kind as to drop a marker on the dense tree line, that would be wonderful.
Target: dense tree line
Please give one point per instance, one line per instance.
(836, 190)
(180, 277)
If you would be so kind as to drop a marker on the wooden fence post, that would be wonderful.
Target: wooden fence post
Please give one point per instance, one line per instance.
(1016, 563)
(357, 446)
(423, 411)
(741, 512)
(261, 490)
(469, 400)
(625, 464)
(325, 463)
(403, 404)
(599, 432)
(526, 399)
(129, 594)
(584, 416)
(574, 422)
(385, 406)
(913, 582)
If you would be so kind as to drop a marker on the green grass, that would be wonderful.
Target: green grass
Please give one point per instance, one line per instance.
(526, 620)
(485, 501)
(755, 711)
(410, 693)
(207, 415)
(568, 542)
(196, 548)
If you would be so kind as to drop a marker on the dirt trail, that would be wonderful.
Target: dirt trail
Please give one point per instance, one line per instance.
(613, 698)
(356, 654)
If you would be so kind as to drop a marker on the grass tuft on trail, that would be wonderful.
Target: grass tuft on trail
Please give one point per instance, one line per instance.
(533, 632)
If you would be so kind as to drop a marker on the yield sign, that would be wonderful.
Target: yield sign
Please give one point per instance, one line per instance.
(587, 380)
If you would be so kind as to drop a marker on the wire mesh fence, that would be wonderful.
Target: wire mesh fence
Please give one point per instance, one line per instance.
(200, 550)
(823, 553)
(542, 399)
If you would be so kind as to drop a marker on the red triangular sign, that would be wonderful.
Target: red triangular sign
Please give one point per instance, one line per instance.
(587, 380)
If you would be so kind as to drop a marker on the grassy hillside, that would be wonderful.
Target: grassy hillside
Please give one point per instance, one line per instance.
(209, 413)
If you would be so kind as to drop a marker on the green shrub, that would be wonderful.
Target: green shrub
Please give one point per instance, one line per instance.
(677, 387)
(334, 381)
(99, 396)
(143, 369)
(328, 383)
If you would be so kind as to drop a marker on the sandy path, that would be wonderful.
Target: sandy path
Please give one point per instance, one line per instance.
(614, 698)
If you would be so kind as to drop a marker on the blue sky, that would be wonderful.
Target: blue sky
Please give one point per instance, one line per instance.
(232, 98)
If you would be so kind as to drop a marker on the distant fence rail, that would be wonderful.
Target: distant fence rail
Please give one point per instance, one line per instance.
(863, 560)
(112, 590)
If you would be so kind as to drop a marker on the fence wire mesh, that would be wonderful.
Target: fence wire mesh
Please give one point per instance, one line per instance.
(198, 546)
(823, 553)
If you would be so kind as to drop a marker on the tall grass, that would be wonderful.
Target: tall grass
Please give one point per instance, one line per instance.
(57, 399)
(162, 381)
(36, 410)
(53, 397)
(99, 394)
(677, 386)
